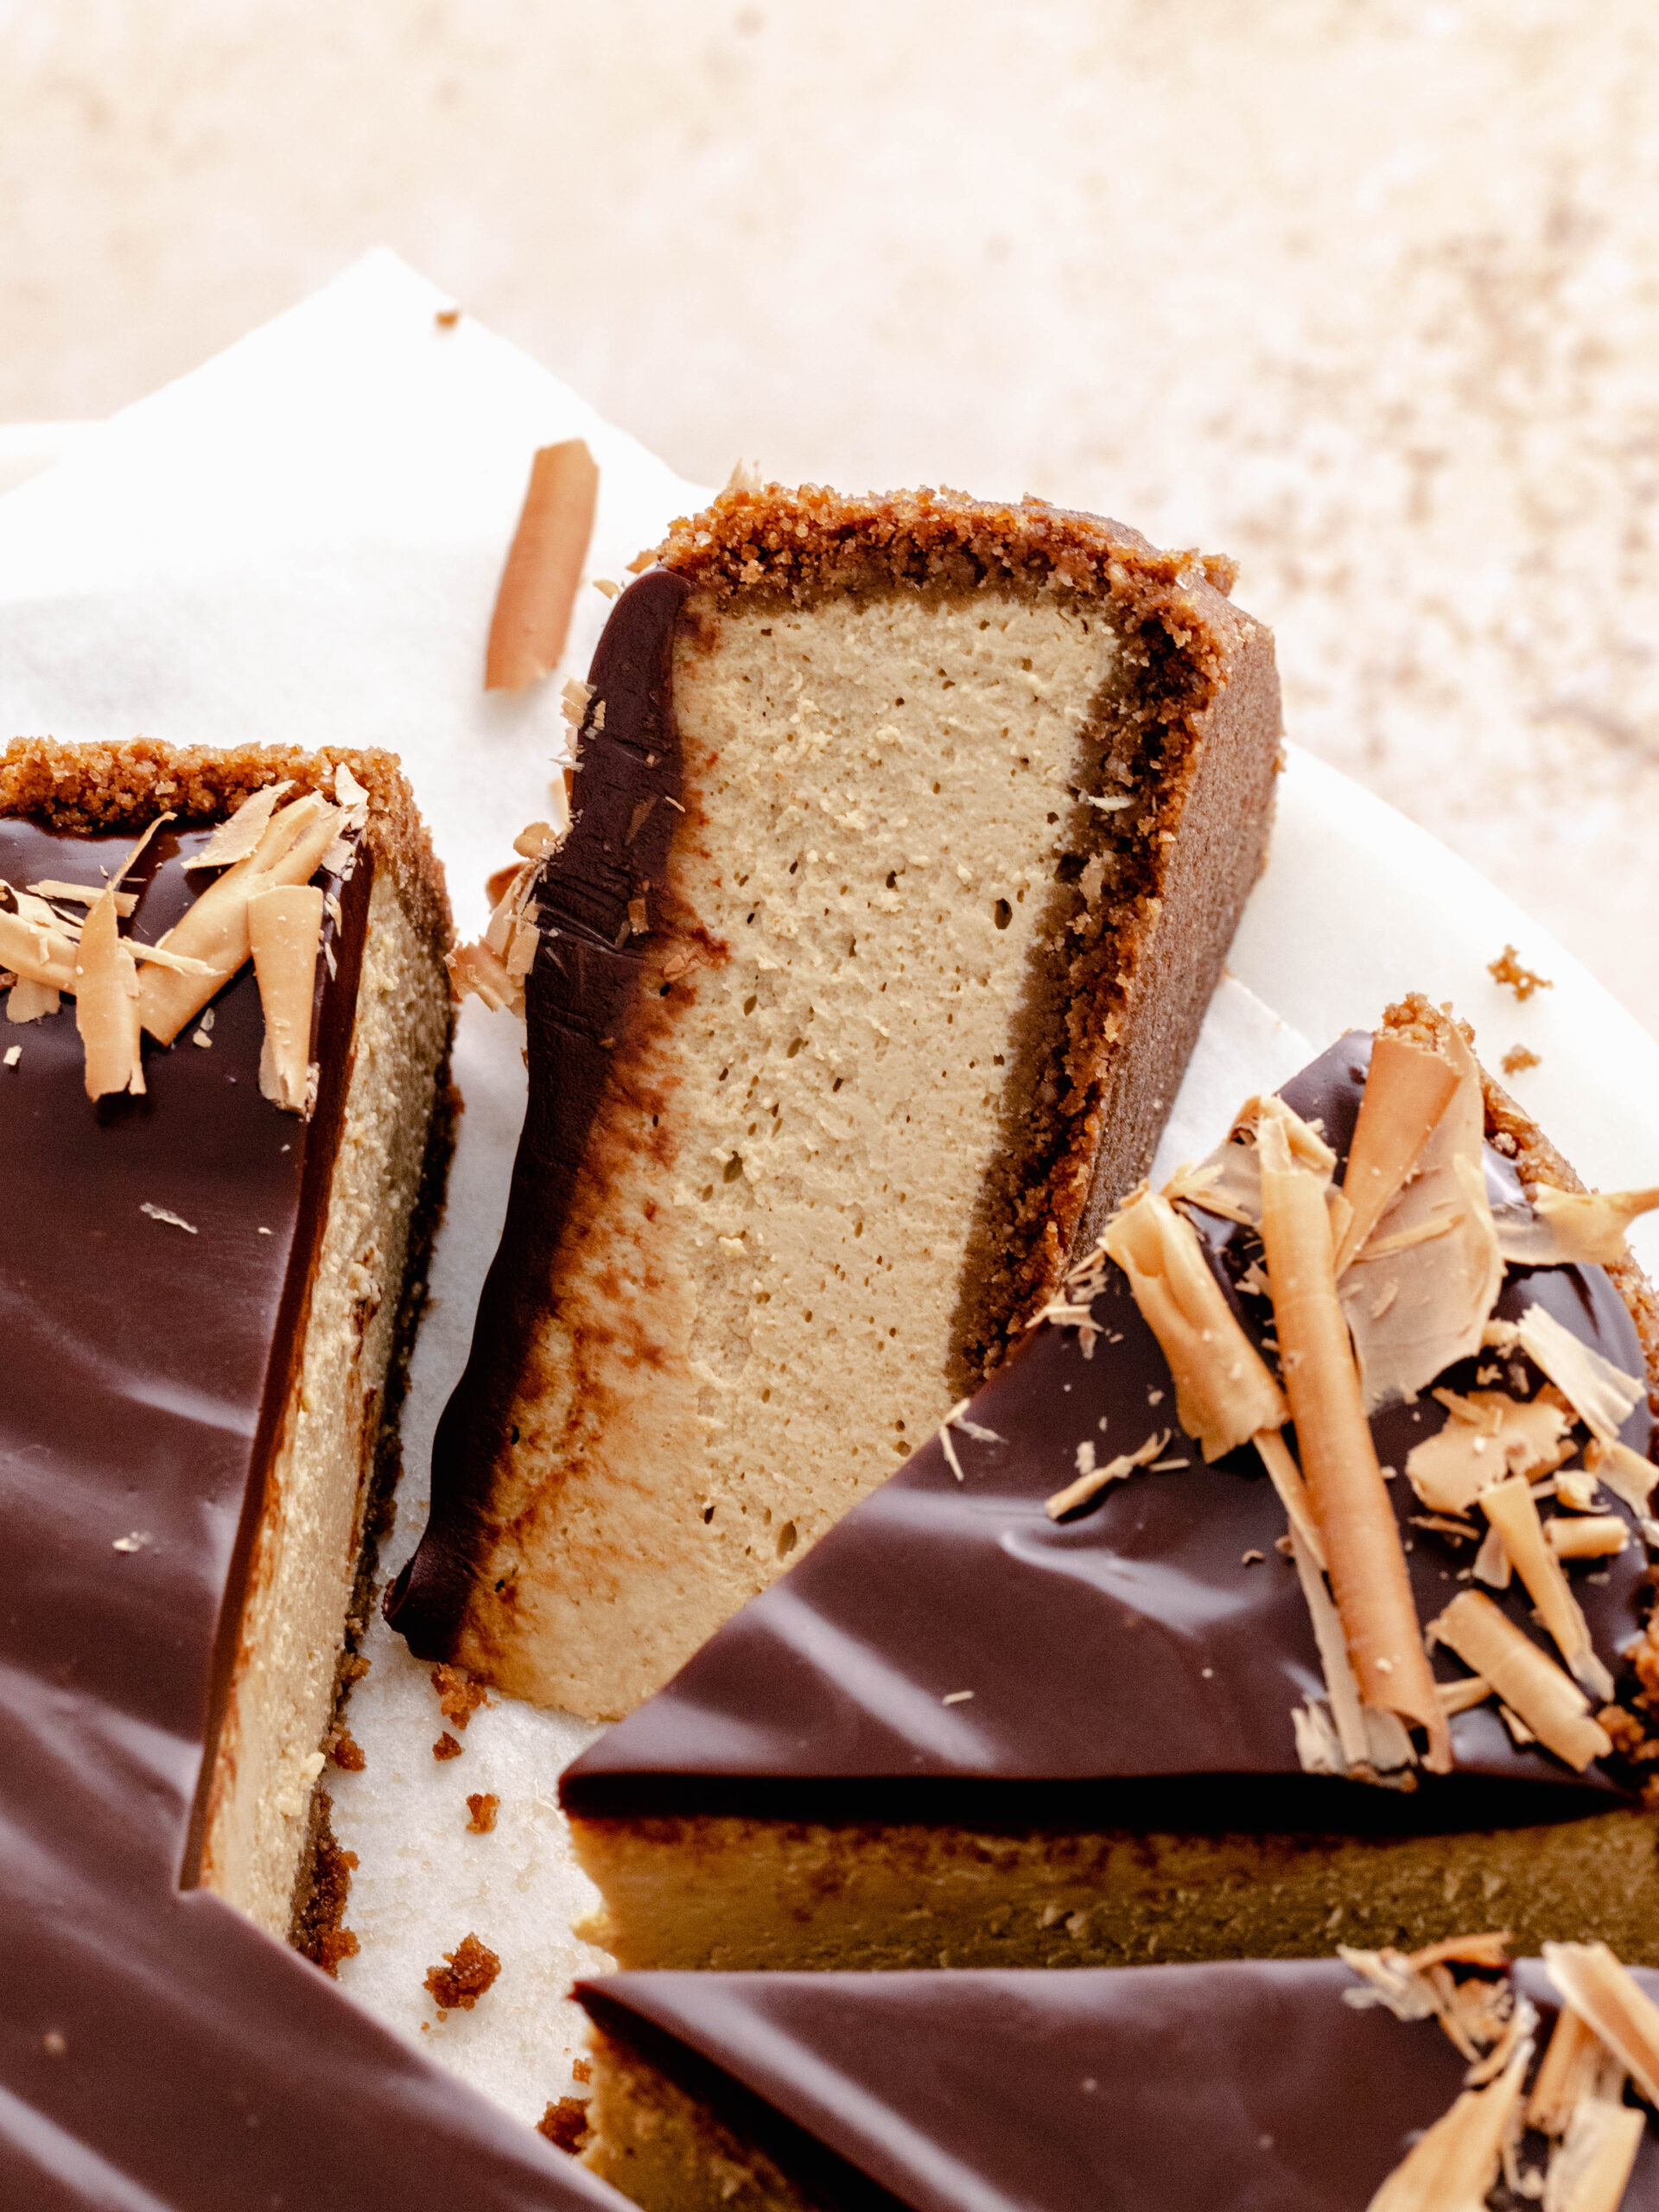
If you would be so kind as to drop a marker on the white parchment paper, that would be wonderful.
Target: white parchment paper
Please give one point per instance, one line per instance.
(300, 543)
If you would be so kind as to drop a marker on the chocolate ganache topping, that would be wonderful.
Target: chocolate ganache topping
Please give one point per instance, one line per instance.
(156, 2050)
(1120, 1660)
(581, 996)
(1168, 2088)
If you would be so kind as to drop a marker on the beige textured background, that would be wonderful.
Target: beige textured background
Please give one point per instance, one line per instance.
(1366, 294)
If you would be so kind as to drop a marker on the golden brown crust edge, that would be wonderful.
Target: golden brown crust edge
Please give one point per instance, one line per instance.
(1537, 1161)
(125, 785)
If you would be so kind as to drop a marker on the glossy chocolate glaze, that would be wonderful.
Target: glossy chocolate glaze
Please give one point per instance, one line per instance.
(1252, 2088)
(156, 2050)
(1119, 1662)
(580, 1000)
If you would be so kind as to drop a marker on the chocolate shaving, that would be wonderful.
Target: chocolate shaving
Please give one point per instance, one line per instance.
(1512, 1511)
(1356, 1525)
(1408, 1088)
(1223, 1392)
(215, 930)
(1436, 1251)
(83, 895)
(1608, 1999)
(538, 585)
(1572, 2060)
(1599, 1393)
(1594, 1536)
(238, 834)
(1572, 1227)
(1454, 2163)
(1489, 1435)
(1590, 2169)
(1547, 1699)
(1370, 1742)
(1092, 1480)
(284, 934)
(106, 1004)
(1626, 1473)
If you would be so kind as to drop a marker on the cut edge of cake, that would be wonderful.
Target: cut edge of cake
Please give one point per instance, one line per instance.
(808, 906)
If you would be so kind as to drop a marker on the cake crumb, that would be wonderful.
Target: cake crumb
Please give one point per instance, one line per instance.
(14, 1053)
(581, 2070)
(1523, 981)
(1251, 1558)
(53, 2043)
(345, 1751)
(321, 1935)
(1518, 1059)
(483, 1805)
(135, 1542)
(467, 1972)
(956, 1697)
(447, 318)
(459, 1695)
(447, 1747)
(565, 2124)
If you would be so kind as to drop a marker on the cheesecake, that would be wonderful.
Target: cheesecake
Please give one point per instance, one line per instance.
(908, 837)
(1160, 1648)
(224, 1119)
(1319, 2085)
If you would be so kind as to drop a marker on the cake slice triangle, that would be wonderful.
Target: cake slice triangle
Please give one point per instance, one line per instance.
(1166, 2088)
(968, 1729)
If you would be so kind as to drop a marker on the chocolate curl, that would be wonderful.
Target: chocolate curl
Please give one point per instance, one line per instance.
(1512, 1511)
(1594, 1536)
(1609, 1999)
(538, 585)
(238, 834)
(1452, 2166)
(1357, 1530)
(1407, 1089)
(215, 930)
(40, 951)
(1582, 1227)
(284, 933)
(106, 1003)
(1527, 1679)
(1223, 1393)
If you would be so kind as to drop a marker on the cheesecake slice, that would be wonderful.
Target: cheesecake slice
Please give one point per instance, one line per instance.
(1178, 2088)
(212, 1266)
(1117, 1669)
(909, 836)
(223, 1038)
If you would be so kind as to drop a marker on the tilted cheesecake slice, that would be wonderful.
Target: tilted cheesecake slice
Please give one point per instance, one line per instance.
(1125, 1664)
(212, 1250)
(909, 836)
(1167, 2088)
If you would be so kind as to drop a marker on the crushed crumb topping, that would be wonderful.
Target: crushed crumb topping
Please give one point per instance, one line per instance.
(1523, 981)
(466, 1973)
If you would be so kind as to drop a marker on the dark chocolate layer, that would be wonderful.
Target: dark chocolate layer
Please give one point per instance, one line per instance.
(1253, 2088)
(156, 2050)
(580, 996)
(1118, 1661)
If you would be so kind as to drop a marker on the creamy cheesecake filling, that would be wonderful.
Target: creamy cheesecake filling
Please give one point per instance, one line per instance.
(894, 786)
